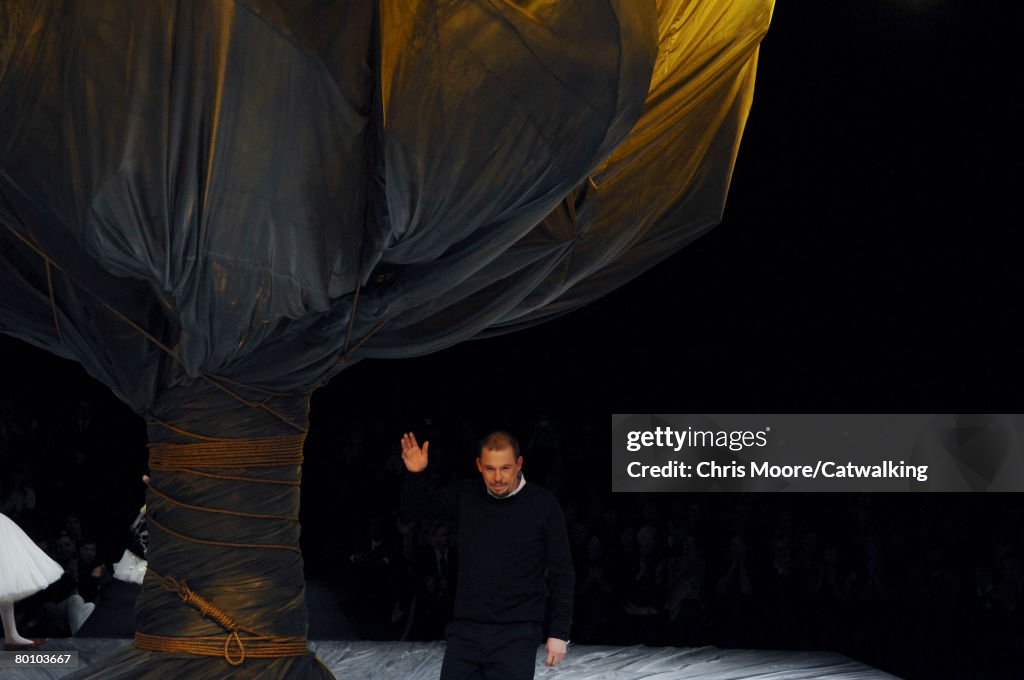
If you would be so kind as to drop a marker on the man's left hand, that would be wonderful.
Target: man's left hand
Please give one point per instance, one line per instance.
(556, 651)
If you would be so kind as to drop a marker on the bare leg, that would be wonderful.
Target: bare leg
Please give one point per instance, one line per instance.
(10, 627)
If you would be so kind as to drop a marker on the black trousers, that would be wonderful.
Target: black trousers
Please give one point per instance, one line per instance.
(490, 651)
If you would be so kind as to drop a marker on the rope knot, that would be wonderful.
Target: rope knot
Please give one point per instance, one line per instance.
(207, 608)
(234, 661)
(234, 650)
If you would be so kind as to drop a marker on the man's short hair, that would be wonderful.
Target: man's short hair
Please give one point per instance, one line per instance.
(498, 440)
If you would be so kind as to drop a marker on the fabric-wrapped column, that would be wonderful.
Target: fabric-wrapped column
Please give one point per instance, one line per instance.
(224, 595)
(237, 500)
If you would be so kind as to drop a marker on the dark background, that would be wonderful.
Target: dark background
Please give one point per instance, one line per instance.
(868, 261)
(869, 257)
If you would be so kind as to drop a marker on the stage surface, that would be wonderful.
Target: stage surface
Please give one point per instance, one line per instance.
(422, 661)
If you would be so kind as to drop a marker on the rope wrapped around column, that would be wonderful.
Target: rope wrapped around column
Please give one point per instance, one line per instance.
(200, 459)
(253, 645)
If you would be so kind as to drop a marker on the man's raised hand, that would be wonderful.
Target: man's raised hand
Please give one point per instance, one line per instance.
(413, 456)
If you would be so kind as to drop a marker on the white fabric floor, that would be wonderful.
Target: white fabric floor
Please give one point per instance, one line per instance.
(422, 661)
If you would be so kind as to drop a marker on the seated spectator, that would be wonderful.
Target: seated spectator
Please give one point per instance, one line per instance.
(434, 571)
(93, 574)
(598, 613)
(644, 589)
(684, 606)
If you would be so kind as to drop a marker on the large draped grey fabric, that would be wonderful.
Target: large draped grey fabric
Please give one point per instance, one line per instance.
(215, 207)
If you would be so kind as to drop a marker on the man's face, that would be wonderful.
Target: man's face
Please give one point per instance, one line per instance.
(500, 470)
(65, 548)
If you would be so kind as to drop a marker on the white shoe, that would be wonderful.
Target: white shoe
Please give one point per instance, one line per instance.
(78, 612)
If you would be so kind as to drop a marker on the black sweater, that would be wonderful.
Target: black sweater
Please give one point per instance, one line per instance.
(508, 548)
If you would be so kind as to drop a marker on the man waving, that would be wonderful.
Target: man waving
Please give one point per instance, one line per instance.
(514, 564)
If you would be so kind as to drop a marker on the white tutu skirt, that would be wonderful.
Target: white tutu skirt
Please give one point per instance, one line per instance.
(24, 568)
